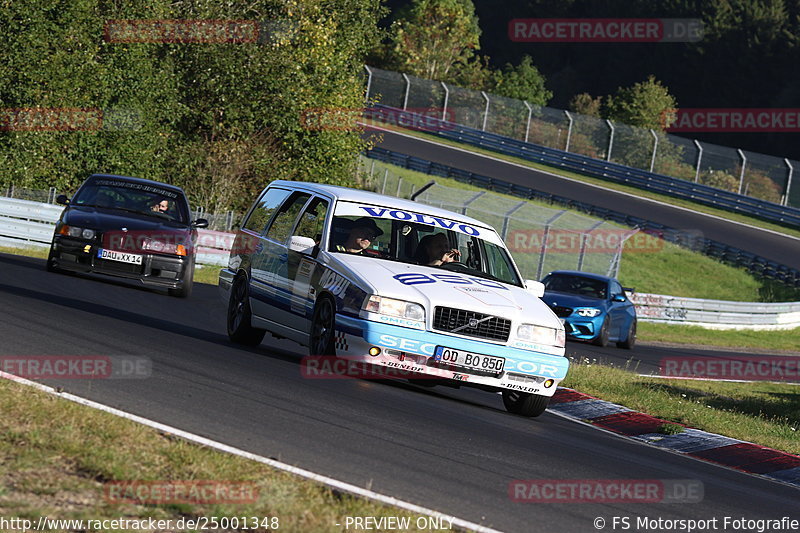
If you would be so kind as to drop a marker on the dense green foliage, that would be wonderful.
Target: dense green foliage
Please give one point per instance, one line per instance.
(220, 118)
(747, 58)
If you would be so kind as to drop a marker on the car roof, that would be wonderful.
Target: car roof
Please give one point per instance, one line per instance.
(347, 194)
(136, 180)
(583, 274)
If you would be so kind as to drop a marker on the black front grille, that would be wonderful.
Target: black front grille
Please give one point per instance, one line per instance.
(117, 266)
(488, 327)
(562, 311)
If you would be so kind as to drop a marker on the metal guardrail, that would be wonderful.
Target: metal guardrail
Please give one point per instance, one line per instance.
(213, 248)
(755, 264)
(25, 223)
(614, 172)
(716, 314)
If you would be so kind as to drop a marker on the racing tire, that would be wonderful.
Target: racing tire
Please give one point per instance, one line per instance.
(240, 330)
(524, 403)
(50, 266)
(630, 340)
(323, 329)
(185, 289)
(602, 337)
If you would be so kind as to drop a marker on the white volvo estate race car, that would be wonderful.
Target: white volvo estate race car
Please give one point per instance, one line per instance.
(388, 283)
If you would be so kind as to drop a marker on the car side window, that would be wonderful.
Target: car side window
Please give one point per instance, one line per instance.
(283, 222)
(312, 220)
(265, 207)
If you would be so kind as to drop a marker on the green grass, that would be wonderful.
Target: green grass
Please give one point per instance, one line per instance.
(610, 185)
(760, 412)
(784, 340)
(62, 470)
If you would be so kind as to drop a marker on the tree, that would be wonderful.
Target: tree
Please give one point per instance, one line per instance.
(434, 39)
(523, 82)
(586, 105)
(645, 104)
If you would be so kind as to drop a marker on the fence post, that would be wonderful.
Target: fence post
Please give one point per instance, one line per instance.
(788, 181)
(504, 231)
(543, 252)
(466, 204)
(699, 159)
(584, 237)
(610, 139)
(369, 82)
(655, 148)
(399, 185)
(385, 177)
(741, 174)
(11, 191)
(485, 111)
(569, 129)
(229, 220)
(528, 125)
(408, 88)
(446, 98)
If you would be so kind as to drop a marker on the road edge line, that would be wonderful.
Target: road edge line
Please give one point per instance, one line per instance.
(203, 441)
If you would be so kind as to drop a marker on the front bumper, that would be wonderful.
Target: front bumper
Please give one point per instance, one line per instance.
(411, 350)
(583, 328)
(156, 270)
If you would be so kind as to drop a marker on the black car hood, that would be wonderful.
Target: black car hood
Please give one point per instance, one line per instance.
(104, 219)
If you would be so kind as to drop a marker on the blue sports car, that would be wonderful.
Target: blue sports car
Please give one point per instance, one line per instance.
(593, 308)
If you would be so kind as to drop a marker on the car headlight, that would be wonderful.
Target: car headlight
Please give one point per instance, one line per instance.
(392, 307)
(542, 335)
(78, 233)
(588, 311)
(154, 245)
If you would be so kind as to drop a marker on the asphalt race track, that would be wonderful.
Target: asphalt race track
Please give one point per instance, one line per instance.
(455, 451)
(780, 248)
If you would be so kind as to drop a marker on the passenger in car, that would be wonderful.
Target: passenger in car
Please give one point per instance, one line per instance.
(434, 250)
(362, 233)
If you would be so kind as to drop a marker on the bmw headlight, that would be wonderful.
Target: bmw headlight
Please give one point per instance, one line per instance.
(392, 307)
(78, 233)
(542, 335)
(588, 311)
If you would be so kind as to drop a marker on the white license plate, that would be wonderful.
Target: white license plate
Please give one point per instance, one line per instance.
(487, 363)
(122, 257)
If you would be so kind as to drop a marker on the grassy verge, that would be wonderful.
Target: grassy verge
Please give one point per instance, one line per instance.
(609, 185)
(763, 413)
(784, 340)
(63, 470)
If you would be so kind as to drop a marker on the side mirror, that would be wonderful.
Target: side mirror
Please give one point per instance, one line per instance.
(619, 298)
(303, 245)
(200, 223)
(536, 287)
(62, 199)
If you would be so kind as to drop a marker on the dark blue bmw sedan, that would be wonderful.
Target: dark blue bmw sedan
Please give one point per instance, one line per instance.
(593, 308)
